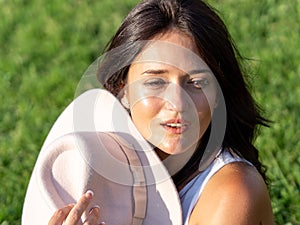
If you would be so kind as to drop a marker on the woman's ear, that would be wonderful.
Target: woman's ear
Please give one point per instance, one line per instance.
(124, 101)
(216, 103)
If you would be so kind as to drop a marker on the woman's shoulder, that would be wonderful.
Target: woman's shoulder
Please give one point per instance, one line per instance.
(236, 194)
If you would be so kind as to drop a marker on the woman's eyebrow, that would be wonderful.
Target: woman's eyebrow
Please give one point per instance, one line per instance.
(163, 71)
(197, 71)
(154, 71)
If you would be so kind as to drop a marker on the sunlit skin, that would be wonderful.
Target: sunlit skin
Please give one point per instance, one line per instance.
(171, 99)
(171, 93)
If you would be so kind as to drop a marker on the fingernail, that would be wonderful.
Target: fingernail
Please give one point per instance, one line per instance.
(95, 210)
(102, 223)
(89, 194)
(97, 206)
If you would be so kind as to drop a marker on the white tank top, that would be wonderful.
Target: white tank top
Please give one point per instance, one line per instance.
(191, 192)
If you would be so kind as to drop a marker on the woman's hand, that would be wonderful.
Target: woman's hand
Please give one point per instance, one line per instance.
(71, 214)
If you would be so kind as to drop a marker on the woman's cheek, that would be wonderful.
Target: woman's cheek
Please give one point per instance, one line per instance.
(143, 113)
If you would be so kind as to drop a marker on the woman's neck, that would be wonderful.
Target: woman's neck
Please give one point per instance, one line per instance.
(174, 163)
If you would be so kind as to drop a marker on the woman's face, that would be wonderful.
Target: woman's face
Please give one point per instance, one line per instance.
(171, 93)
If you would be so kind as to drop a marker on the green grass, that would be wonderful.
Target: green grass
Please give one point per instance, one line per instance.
(268, 33)
(45, 47)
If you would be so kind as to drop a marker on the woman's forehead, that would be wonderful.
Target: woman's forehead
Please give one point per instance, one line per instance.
(173, 53)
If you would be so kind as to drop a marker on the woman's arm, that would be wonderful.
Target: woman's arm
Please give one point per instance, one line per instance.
(71, 214)
(236, 195)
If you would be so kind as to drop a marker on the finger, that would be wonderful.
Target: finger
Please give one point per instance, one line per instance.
(93, 216)
(60, 215)
(77, 211)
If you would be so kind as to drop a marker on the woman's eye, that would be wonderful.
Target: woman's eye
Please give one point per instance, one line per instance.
(199, 83)
(155, 83)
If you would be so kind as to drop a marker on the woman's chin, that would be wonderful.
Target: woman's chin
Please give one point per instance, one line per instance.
(176, 148)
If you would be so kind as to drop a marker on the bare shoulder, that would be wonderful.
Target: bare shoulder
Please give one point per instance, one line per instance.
(235, 195)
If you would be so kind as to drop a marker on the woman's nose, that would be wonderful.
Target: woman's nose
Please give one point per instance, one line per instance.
(176, 98)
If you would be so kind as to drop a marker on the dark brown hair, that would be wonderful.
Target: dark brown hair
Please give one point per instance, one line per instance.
(199, 20)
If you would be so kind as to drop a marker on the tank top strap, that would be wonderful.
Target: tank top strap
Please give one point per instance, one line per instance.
(191, 192)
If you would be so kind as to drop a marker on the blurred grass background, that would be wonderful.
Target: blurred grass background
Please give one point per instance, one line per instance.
(45, 47)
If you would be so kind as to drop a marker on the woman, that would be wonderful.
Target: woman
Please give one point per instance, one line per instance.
(174, 100)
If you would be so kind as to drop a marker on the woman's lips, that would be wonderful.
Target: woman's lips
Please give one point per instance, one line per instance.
(175, 126)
